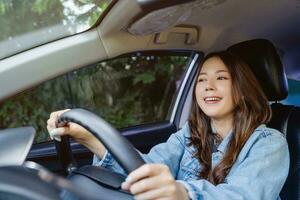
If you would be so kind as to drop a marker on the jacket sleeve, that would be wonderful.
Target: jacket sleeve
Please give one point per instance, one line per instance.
(168, 153)
(260, 175)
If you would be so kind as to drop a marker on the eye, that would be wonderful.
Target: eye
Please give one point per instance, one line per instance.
(222, 78)
(201, 79)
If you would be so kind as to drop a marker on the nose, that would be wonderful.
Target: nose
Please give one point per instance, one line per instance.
(209, 86)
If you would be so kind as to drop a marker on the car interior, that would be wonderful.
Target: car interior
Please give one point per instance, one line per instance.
(264, 33)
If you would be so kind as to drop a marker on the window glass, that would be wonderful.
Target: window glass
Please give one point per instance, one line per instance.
(28, 23)
(294, 93)
(125, 91)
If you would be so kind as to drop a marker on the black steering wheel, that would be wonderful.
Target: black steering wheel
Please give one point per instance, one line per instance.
(96, 179)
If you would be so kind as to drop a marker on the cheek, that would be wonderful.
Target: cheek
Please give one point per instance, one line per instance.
(198, 93)
(226, 89)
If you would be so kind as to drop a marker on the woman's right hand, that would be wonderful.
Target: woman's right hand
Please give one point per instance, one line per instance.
(77, 132)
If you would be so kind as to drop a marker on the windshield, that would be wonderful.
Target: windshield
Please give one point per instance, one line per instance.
(29, 23)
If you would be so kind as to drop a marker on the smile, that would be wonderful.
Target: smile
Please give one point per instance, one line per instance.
(212, 99)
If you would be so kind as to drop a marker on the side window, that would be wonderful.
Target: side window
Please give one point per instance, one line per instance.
(126, 91)
(294, 93)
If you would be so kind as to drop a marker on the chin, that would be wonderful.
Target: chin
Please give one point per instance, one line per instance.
(212, 114)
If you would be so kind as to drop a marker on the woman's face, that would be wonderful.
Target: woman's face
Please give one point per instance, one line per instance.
(214, 89)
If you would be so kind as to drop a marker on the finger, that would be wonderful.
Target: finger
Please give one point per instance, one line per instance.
(125, 186)
(50, 124)
(49, 128)
(59, 131)
(143, 172)
(150, 183)
(159, 193)
(54, 115)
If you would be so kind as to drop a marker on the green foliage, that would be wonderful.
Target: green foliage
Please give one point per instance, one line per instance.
(5, 6)
(125, 92)
(34, 106)
(20, 17)
(42, 6)
(146, 78)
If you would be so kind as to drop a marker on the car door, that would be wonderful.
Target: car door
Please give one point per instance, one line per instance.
(141, 93)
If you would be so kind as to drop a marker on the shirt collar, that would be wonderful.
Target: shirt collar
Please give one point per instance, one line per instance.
(222, 147)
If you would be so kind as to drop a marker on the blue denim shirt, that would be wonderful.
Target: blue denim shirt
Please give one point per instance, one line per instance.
(258, 173)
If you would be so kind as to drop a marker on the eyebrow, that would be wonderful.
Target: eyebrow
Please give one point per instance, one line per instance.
(219, 71)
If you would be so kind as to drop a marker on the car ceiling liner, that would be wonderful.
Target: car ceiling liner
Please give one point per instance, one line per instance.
(162, 19)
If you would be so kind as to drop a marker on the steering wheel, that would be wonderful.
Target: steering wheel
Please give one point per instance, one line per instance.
(97, 179)
(22, 179)
(30, 181)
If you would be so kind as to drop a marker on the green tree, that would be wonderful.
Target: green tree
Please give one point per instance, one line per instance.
(124, 91)
(109, 89)
(18, 17)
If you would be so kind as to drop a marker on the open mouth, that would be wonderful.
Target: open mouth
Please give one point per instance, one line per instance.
(211, 100)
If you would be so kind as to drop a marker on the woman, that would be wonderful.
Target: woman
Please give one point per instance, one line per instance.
(224, 151)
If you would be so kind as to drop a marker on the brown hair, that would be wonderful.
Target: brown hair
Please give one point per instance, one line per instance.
(251, 109)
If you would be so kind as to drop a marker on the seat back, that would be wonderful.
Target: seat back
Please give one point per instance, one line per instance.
(265, 63)
(286, 119)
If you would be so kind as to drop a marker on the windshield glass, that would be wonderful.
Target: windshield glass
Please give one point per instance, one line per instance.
(29, 23)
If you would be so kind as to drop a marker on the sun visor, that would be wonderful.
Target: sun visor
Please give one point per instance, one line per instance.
(159, 20)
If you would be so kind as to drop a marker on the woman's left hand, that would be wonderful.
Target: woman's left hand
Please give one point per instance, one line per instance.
(154, 181)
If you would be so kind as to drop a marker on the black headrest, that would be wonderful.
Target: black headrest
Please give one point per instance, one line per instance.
(262, 57)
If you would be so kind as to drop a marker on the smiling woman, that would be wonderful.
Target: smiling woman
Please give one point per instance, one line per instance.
(227, 101)
(42, 21)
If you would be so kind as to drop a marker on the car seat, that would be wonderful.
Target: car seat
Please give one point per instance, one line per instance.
(262, 57)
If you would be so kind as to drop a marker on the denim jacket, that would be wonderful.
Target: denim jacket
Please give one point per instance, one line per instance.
(258, 173)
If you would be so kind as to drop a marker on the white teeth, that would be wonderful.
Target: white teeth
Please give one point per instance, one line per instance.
(212, 99)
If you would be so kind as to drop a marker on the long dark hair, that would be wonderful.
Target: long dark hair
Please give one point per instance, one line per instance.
(251, 110)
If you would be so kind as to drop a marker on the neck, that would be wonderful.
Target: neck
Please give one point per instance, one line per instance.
(223, 125)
